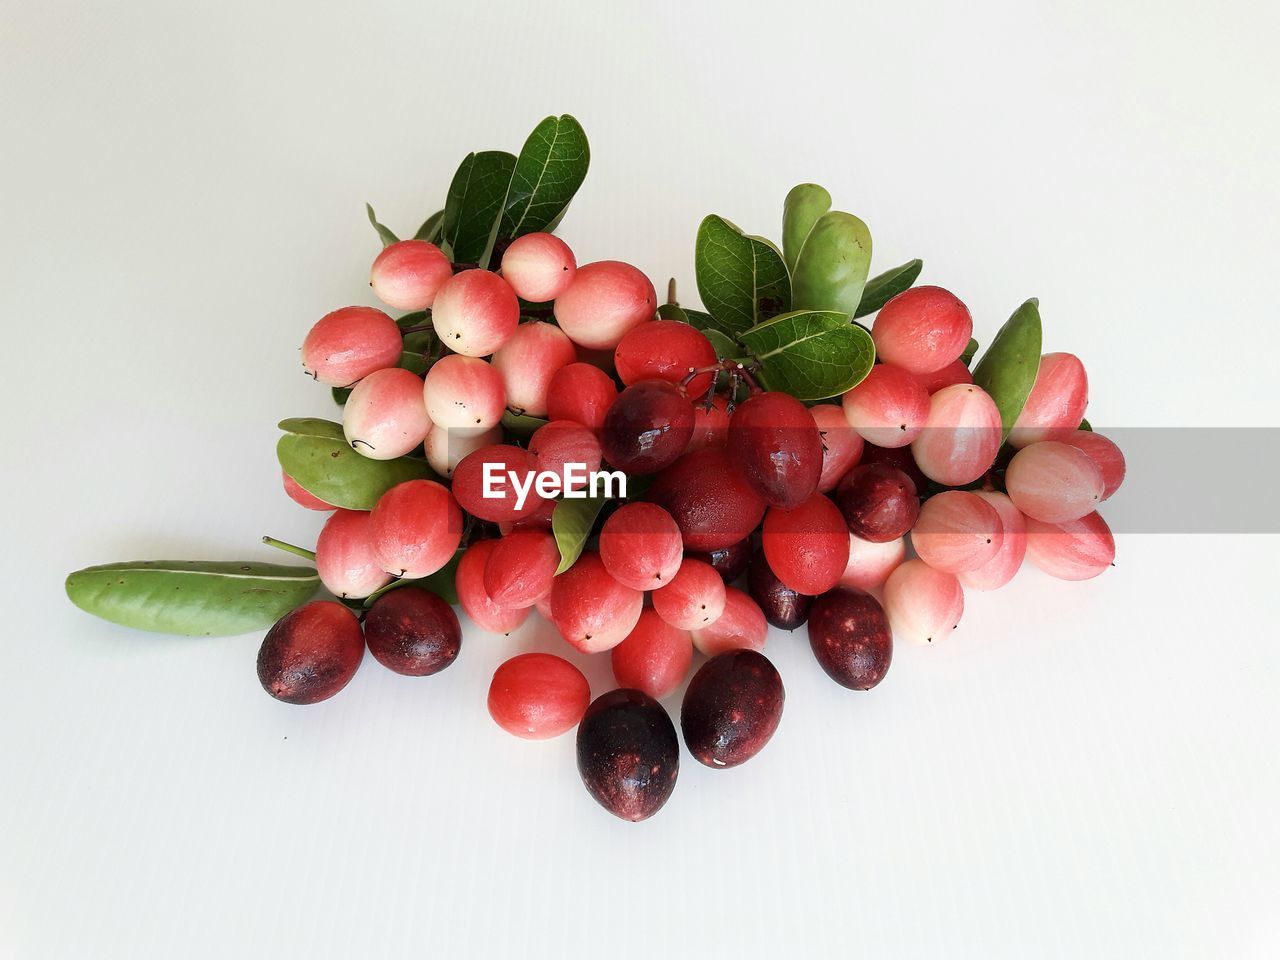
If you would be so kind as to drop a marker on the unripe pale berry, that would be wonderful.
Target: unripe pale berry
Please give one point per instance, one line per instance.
(604, 301)
(1054, 482)
(922, 329)
(841, 445)
(349, 344)
(961, 436)
(640, 546)
(694, 598)
(385, 416)
(1105, 454)
(465, 394)
(446, 448)
(655, 656)
(528, 361)
(807, 545)
(1075, 550)
(345, 557)
(999, 570)
(474, 598)
(299, 495)
(407, 275)
(591, 609)
(416, 528)
(537, 696)
(581, 392)
(538, 266)
(475, 313)
(870, 563)
(957, 531)
(924, 605)
(741, 626)
(888, 408)
(1056, 403)
(521, 567)
(666, 350)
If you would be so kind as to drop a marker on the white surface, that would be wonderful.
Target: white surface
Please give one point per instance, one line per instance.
(1081, 771)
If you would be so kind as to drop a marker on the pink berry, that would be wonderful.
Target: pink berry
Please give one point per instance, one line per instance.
(474, 598)
(953, 373)
(666, 350)
(464, 394)
(1103, 452)
(711, 425)
(807, 545)
(1056, 403)
(349, 344)
(1075, 550)
(841, 445)
(591, 609)
(655, 657)
(1054, 482)
(870, 563)
(521, 567)
(538, 266)
(957, 531)
(741, 626)
(446, 448)
(999, 570)
(385, 416)
(345, 557)
(407, 275)
(640, 546)
(922, 329)
(537, 696)
(488, 471)
(561, 442)
(961, 436)
(924, 605)
(299, 495)
(604, 301)
(475, 313)
(694, 598)
(416, 528)
(582, 393)
(888, 408)
(528, 361)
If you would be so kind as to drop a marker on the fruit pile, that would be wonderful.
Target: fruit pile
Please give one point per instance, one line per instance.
(528, 436)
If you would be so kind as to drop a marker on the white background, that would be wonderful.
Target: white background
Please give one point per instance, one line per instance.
(1082, 770)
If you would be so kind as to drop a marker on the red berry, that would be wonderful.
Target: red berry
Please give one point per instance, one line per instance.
(604, 301)
(961, 437)
(412, 632)
(654, 657)
(1105, 454)
(591, 609)
(1054, 482)
(416, 527)
(311, 653)
(807, 545)
(665, 350)
(538, 696)
(640, 546)
(740, 627)
(1056, 404)
(489, 470)
(850, 638)
(922, 329)
(888, 408)
(841, 445)
(731, 708)
(775, 443)
(1000, 569)
(648, 427)
(582, 393)
(474, 598)
(694, 597)
(1075, 550)
(521, 567)
(345, 556)
(528, 362)
(879, 502)
(349, 344)
(475, 313)
(709, 499)
(924, 605)
(957, 531)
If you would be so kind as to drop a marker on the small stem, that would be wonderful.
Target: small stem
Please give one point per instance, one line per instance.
(671, 292)
(290, 548)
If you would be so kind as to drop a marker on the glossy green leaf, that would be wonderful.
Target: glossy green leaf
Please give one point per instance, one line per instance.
(805, 203)
(442, 583)
(810, 354)
(340, 394)
(520, 424)
(1086, 426)
(970, 350)
(474, 204)
(884, 287)
(431, 227)
(831, 269)
(725, 346)
(571, 524)
(741, 279)
(1007, 371)
(673, 311)
(316, 454)
(192, 598)
(384, 233)
(552, 165)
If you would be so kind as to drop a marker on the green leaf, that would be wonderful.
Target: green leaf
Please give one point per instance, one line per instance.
(520, 424)
(810, 354)
(1007, 371)
(883, 288)
(970, 349)
(340, 394)
(316, 454)
(430, 229)
(193, 598)
(571, 523)
(552, 165)
(1086, 426)
(805, 203)
(673, 311)
(474, 204)
(741, 279)
(831, 269)
(725, 346)
(388, 238)
(442, 583)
